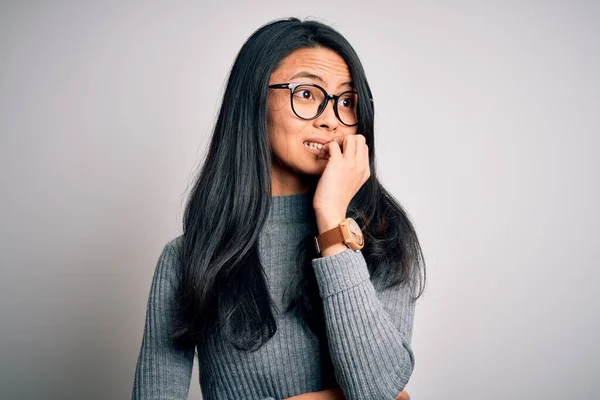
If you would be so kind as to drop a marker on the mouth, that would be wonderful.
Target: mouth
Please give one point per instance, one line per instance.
(313, 147)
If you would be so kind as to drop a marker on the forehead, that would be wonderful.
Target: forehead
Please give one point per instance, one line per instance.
(322, 62)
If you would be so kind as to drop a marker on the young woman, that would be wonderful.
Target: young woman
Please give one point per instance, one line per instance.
(296, 274)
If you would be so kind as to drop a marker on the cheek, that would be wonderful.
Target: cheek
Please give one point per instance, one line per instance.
(276, 115)
(277, 132)
(276, 103)
(284, 124)
(284, 137)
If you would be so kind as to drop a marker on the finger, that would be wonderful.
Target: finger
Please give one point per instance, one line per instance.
(334, 149)
(349, 146)
(362, 151)
(361, 146)
(362, 157)
(367, 164)
(340, 141)
(324, 153)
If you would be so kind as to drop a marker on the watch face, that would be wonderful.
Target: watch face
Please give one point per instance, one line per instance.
(355, 232)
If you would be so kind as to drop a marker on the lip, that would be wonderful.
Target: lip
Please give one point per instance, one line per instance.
(316, 140)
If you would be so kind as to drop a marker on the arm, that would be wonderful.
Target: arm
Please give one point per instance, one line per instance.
(369, 333)
(162, 371)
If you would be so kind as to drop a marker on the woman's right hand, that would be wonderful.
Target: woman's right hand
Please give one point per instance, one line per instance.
(327, 394)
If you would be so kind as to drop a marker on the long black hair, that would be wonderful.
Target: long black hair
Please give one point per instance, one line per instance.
(222, 282)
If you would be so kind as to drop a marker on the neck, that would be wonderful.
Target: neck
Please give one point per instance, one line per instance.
(292, 208)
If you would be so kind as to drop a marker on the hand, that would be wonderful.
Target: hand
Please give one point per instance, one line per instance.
(403, 396)
(346, 171)
(327, 394)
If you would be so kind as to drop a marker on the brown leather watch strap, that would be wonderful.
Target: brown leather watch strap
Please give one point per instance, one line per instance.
(329, 238)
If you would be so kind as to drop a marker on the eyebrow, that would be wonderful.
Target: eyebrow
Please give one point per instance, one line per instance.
(309, 75)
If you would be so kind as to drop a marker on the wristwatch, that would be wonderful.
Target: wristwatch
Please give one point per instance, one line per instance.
(347, 232)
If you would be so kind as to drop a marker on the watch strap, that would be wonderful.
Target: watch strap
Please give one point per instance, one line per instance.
(329, 238)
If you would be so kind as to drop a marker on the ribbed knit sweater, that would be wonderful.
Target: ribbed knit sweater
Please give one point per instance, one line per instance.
(368, 352)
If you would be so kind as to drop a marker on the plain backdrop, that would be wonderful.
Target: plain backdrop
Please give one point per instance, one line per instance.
(487, 131)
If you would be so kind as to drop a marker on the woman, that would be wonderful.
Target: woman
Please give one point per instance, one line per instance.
(261, 282)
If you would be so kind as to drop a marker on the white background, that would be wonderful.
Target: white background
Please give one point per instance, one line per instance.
(487, 131)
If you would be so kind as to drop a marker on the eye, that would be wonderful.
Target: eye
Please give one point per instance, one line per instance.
(347, 101)
(306, 93)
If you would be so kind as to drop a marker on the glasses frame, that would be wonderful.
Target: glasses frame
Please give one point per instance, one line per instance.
(322, 106)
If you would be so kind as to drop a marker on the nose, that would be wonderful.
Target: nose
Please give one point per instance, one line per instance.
(327, 119)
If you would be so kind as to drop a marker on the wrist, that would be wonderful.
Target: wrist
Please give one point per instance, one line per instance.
(328, 220)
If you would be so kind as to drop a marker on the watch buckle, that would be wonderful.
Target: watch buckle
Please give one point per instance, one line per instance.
(317, 245)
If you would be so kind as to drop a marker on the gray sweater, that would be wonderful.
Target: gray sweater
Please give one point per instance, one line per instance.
(369, 331)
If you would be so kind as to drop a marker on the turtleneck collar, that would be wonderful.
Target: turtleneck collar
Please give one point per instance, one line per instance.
(292, 208)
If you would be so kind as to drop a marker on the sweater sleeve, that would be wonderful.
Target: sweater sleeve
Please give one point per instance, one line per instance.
(369, 332)
(162, 371)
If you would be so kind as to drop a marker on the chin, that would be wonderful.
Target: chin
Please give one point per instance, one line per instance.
(315, 169)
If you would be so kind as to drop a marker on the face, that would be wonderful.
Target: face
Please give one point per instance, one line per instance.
(294, 164)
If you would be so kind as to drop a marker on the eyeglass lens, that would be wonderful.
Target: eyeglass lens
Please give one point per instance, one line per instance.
(307, 102)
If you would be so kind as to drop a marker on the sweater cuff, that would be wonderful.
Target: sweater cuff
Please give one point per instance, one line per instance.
(340, 271)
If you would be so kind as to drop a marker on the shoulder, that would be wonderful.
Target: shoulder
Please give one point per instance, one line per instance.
(168, 266)
(175, 245)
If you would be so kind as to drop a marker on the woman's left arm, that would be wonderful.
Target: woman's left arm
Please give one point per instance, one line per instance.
(369, 332)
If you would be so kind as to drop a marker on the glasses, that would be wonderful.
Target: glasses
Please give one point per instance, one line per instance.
(310, 100)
